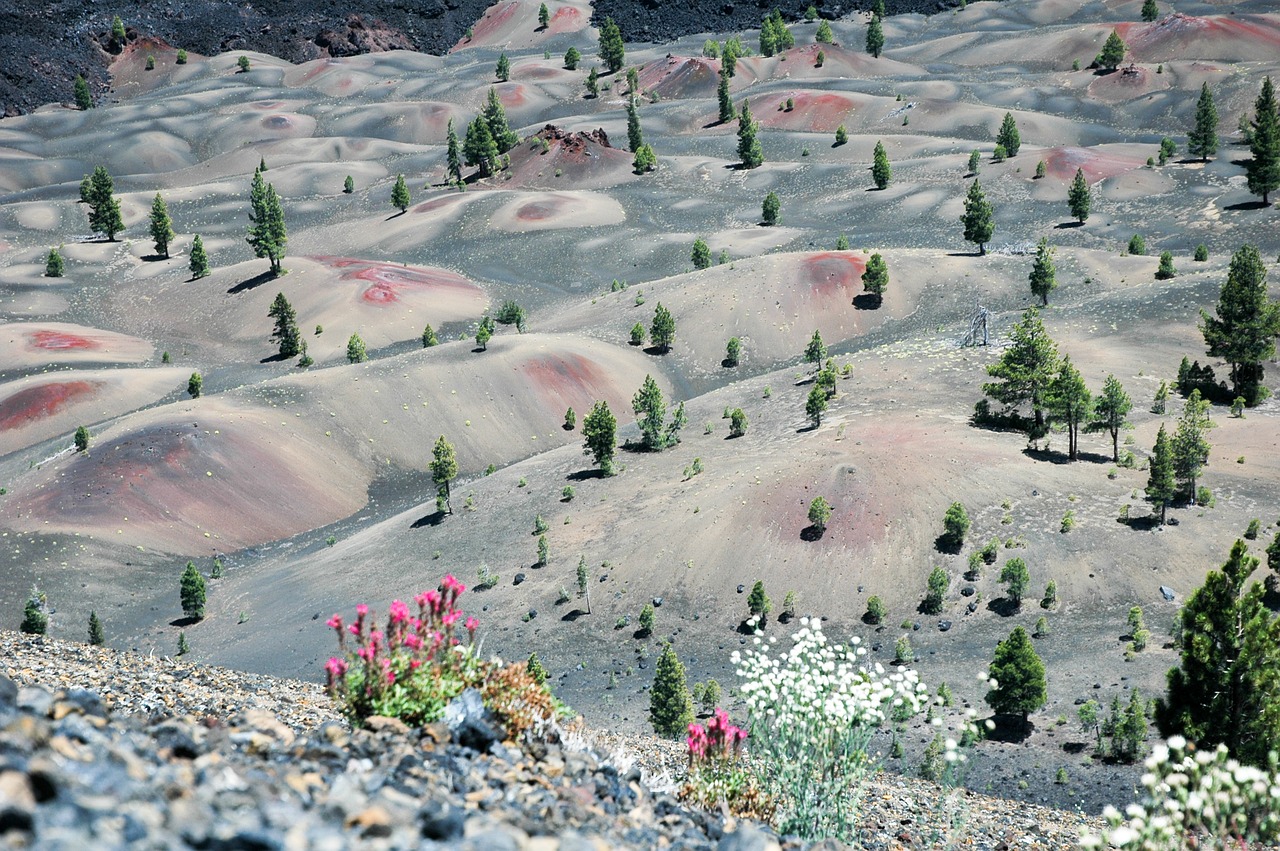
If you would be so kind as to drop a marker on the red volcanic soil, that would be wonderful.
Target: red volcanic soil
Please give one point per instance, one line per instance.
(57, 341)
(1097, 165)
(34, 403)
(383, 284)
(1128, 83)
(583, 159)
(566, 379)
(566, 20)
(539, 211)
(817, 112)
(832, 276)
(1179, 35)
(495, 17)
(512, 95)
(680, 77)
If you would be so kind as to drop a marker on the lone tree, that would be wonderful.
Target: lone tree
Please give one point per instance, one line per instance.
(1070, 403)
(267, 233)
(824, 35)
(1226, 689)
(1079, 198)
(701, 254)
(978, 218)
(286, 332)
(54, 266)
(495, 118)
(356, 351)
(503, 69)
(819, 513)
(1263, 170)
(771, 210)
(400, 198)
(479, 149)
(670, 704)
(875, 36)
(444, 469)
(937, 587)
(84, 99)
(723, 98)
(1190, 446)
(815, 404)
(161, 226)
(732, 351)
(484, 332)
(1043, 274)
(192, 592)
(1112, 52)
(572, 57)
(758, 603)
(199, 264)
(1150, 11)
(749, 150)
(96, 636)
(1026, 369)
(1008, 136)
(600, 436)
(651, 411)
(1016, 578)
(35, 620)
(544, 16)
(881, 171)
(1110, 410)
(737, 422)
(635, 136)
(955, 525)
(1019, 674)
(104, 207)
(1202, 140)
(453, 156)
(1166, 269)
(82, 438)
(592, 83)
(195, 385)
(612, 49)
(816, 352)
(875, 278)
(662, 332)
(584, 582)
(1244, 330)
(1161, 484)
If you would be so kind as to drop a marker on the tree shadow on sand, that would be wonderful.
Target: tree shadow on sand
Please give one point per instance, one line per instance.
(867, 301)
(252, 283)
(812, 533)
(1004, 607)
(570, 617)
(1068, 225)
(184, 621)
(435, 518)
(1011, 729)
(1246, 206)
(585, 475)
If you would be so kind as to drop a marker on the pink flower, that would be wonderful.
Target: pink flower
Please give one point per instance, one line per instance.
(391, 678)
(366, 653)
(451, 617)
(335, 668)
(362, 610)
(432, 599)
(412, 641)
(354, 629)
(375, 638)
(471, 624)
(335, 622)
(414, 664)
(399, 611)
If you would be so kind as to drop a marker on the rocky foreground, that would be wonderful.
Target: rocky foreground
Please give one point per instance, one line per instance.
(109, 750)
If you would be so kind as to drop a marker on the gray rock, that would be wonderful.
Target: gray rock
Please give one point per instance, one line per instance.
(471, 723)
(748, 837)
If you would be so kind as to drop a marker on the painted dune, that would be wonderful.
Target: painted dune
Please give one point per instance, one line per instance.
(33, 344)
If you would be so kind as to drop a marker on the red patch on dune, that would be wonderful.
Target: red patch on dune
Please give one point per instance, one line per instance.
(59, 341)
(494, 18)
(277, 122)
(267, 104)
(388, 281)
(565, 376)
(430, 207)
(680, 76)
(1178, 32)
(832, 274)
(1063, 162)
(44, 400)
(512, 96)
(566, 19)
(819, 112)
(539, 211)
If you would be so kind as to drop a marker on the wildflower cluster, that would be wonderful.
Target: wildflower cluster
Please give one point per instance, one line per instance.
(1196, 799)
(718, 774)
(813, 710)
(414, 666)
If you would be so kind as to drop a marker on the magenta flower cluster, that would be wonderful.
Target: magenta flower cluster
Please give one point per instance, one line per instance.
(720, 740)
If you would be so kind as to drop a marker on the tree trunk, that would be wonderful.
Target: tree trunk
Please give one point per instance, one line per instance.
(1115, 445)
(1164, 506)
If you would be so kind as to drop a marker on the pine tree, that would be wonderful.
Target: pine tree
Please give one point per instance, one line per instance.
(484, 332)
(1008, 136)
(1069, 402)
(286, 332)
(875, 37)
(1202, 141)
(749, 150)
(267, 233)
(356, 352)
(816, 352)
(824, 34)
(199, 264)
(955, 525)
(503, 69)
(599, 432)
(544, 17)
(495, 116)
(1150, 11)
(881, 171)
(84, 100)
(645, 160)
(1190, 446)
(1110, 410)
(1112, 52)
(1026, 369)
(758, 603)
(479, 148)
(1079, 199)
(1019, 674)
(1226, 689)
(35, 620)
(444, 468)
(650, 411)
(670, 705)
(814, 405)
(662, 333)
(192, 592)
(729, 57)
(978, 218)
(1244, 330)
(53, 264)
(1166, 270)
(819, 513)
(701, 254)
(161, 226)
(453, 156)
(768, 37)
(571, 59)
(727, 112)
(1263, 170)
(875, 278)
(612, 49)
(1161, 484)
(975, 162)
(635, 138)
(429, 337)
(593, 84)
(349, 184)
(96, 637)
(195, 385)
(400, 198)
(117, 34)
(81, 438)
(771, 210)
(104, 207)
(1043, 280)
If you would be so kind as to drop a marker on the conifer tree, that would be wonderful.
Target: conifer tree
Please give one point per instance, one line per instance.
(479, 149)
(599, 432)
(815, 404)
(975, 162)
(701, 254)
(53, 264)
(267, 233)
(978, 218)
(35, 620)
(195, 385)
(650, 411)
(429, 337)
(161, 226)
(1019, 674)
(356, 352)
(199, 264)
(1070, 403)
(495, 116)
(1190, 446)
(96, 637)
(503, 69)
(444, 469)
(571, 59)
(1202, 141)
(875, 36)
(645, 160)
(1026, 369)
(875, 278)
(453, 156)
(544, 17)
(670, 704)
(84, 100)
(1079, 198)
(727, 112)
(1150, 11)
(104, 207)
(635, 138)
(729, 57)
(1245, 326)
(1263, 169)
(593, 84)
(82, 438)
(662, 333)
(824, 34)
(349, 184)
(1008, 136)
(192, 592)
(286, 332)
(400, 198)
(612, 49)
(1161, 484)
(1166, 269)
(749, 150)
(484, 332)
(1110, 410)
(816, 352)
(771, 209)
(1113, 52)
(1043, 274)
(881, 171)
